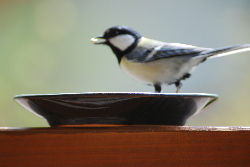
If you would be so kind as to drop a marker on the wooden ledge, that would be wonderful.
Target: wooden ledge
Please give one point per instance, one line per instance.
(143, 145)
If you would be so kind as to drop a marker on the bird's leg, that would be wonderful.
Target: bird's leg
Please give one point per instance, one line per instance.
(178, 85)
(157, 88)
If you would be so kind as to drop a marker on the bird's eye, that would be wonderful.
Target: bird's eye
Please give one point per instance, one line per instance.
(112, 33)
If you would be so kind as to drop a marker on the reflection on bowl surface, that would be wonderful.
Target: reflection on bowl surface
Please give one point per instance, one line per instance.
(116, 108)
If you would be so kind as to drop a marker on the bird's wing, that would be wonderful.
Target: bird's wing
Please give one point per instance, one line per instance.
(165, 50)
(172, 50)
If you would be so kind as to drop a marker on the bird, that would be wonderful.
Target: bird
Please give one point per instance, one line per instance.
(158, 63)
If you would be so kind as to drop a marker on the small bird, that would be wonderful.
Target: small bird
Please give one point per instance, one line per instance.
(154, 62)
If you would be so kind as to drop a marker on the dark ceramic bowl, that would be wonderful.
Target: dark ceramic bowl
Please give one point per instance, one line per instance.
(116, 108)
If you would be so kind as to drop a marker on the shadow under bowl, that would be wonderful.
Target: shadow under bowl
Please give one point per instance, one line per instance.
(116, 108)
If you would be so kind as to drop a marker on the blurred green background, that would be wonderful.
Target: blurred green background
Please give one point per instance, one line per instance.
(45, 48)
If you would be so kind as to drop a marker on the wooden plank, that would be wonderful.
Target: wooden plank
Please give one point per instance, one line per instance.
(126, 146)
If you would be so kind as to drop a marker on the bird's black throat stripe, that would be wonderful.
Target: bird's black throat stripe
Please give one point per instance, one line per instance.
(119, 54)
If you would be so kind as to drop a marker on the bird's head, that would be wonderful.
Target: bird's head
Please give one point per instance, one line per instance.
(121, 39)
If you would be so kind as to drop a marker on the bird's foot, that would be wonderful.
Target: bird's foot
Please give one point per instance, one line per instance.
(178, 86)
(157, 88)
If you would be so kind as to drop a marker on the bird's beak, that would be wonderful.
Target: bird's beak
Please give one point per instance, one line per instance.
(98, 40)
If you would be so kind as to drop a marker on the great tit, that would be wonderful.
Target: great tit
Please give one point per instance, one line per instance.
(154, 62)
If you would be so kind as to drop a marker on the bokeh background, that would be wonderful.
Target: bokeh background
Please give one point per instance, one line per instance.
(45, 48)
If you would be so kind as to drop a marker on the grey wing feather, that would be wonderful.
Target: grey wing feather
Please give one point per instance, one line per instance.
(170, 50)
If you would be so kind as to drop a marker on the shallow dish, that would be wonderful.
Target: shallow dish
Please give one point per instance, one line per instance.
(116, 108)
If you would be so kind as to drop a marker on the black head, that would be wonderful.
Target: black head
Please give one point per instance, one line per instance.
(121, 39)
(120, 30)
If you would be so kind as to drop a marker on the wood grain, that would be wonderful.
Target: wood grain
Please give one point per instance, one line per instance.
(125, 146)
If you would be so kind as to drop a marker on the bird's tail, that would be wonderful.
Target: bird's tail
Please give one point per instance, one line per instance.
(225, 51)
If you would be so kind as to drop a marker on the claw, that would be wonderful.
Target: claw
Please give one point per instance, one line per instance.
(178, 86)
(157, 88)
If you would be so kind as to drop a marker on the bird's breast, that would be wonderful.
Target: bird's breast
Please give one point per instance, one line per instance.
(159, 71)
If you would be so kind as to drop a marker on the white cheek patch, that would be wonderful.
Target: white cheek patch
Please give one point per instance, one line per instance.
(122, 42)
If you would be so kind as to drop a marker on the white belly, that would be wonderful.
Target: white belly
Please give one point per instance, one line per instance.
(166, 71)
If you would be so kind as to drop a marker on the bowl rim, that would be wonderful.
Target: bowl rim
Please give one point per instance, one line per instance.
(116, 94)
